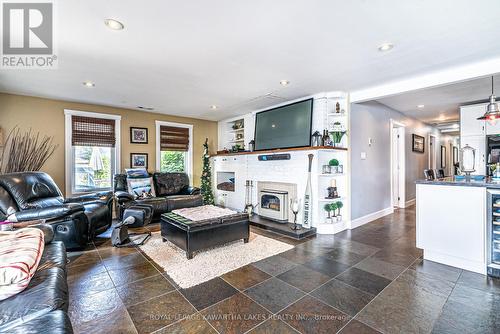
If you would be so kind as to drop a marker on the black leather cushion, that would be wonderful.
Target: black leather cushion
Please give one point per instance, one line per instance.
(120, 183)
(98, 218)
(54, 255)
(52, 212)
(99, 197)
(47, 291)
(55, 322)
(32, 189)
(159, 204)
(6, 202)
(170, 183)
(183, 201)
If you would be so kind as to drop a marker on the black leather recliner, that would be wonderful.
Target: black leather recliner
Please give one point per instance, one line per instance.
(34, 195)
(172, 192)
(42, 307)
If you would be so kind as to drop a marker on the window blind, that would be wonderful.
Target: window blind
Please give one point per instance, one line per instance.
(173, 138)
(90, 131)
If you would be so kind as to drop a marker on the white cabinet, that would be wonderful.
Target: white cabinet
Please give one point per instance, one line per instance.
(479, 144)
(469, 124)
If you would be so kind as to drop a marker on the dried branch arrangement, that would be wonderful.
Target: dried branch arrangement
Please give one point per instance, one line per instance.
(25, 151)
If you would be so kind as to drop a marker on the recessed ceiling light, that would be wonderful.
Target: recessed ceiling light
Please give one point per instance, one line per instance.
(89, 84)
(284, 82)
(213, 107)
(442, 117)
(385, 47)
(145, 108)
(114, 24)
(420, 106)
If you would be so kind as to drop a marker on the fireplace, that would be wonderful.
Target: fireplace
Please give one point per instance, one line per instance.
(274, 204)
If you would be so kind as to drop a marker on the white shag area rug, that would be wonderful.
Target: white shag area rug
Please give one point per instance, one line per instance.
(210, 263)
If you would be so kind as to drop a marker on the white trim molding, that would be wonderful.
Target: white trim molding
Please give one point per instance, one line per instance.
(410, 202)
(402, 163)
(68, 148)
(370, 217)
(189, 163)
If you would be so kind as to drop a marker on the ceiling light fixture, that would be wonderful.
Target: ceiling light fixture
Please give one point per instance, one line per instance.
(420, 106)
(284, 82)
(213, 107)
(114, 24)
(385, 47)
(492, 111)
(88, 84)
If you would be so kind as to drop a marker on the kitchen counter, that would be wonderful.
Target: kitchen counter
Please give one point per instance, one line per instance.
(465, 182)
(452, 221)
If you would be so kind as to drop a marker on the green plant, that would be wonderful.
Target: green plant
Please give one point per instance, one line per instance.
(337, 133)
(328, 209)
(340, 205)
(206, 177)
(333, 207)
(333, 163)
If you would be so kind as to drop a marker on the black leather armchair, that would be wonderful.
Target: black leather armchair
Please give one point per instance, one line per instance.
(34, 195)
(172, 192)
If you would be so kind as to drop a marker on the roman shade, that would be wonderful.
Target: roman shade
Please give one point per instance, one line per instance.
(174, 138)
(90, 131)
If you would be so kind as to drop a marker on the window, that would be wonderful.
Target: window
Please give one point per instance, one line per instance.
(92, 153)
(173, 144)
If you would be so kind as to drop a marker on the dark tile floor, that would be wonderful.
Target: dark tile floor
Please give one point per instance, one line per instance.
(368, 280)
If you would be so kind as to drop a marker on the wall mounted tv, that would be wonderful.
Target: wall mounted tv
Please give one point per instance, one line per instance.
(284, 127)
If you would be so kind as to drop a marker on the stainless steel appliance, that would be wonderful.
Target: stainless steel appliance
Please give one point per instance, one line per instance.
(493, 233)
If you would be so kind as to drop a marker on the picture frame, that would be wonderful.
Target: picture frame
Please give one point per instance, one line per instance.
(138, 135)
(418, 143)
(443, 156)
(455, 155)
(139, 160)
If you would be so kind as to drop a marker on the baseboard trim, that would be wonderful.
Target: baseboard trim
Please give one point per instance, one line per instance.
(410, 202)
(370, 217)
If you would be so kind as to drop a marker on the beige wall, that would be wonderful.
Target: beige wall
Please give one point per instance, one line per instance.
(47, 116)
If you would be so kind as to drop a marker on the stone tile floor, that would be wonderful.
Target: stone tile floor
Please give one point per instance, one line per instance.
(368, 280)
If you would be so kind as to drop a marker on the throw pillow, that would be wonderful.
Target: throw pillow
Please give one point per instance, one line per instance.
(136, 173)
(141, 188)
(20, 254)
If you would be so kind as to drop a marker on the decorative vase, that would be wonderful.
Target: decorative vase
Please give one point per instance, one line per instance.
(327, 169)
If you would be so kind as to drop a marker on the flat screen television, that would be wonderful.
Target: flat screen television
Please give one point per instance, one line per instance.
(284, 127)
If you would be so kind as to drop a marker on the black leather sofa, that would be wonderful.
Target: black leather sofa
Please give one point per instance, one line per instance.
(34, 195)
(172, 192)
(41, 307)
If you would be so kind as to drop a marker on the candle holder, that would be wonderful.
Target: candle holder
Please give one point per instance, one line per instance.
(295, 207)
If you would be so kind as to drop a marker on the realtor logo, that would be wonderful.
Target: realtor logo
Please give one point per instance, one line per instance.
(28, 35)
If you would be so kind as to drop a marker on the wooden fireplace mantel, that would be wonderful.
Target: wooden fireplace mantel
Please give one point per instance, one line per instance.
(282, 150)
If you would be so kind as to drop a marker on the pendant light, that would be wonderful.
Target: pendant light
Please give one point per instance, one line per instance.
(492, 111)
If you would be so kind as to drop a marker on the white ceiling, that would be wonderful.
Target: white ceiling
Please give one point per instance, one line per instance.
(441, 104)
(180, 57)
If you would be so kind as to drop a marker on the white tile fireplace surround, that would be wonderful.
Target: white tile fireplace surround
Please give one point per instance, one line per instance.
(274, 199)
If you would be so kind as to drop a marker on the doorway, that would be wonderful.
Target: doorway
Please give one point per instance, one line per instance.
(432, 152)
(398, 164)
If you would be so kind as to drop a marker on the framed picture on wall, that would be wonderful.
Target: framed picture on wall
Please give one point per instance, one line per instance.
(139, 160)
(455, 154)
(138, 135)
(443, 156)
(418, 143)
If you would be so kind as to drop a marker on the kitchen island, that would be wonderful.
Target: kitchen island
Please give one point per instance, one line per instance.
(452, 221)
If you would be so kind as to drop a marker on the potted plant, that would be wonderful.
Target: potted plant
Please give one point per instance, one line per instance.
(328, 209)
(338, 131)
(340, 205)
(334, 165)
(334, 207)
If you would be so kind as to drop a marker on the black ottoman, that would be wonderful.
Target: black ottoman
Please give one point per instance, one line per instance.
(192, 236)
